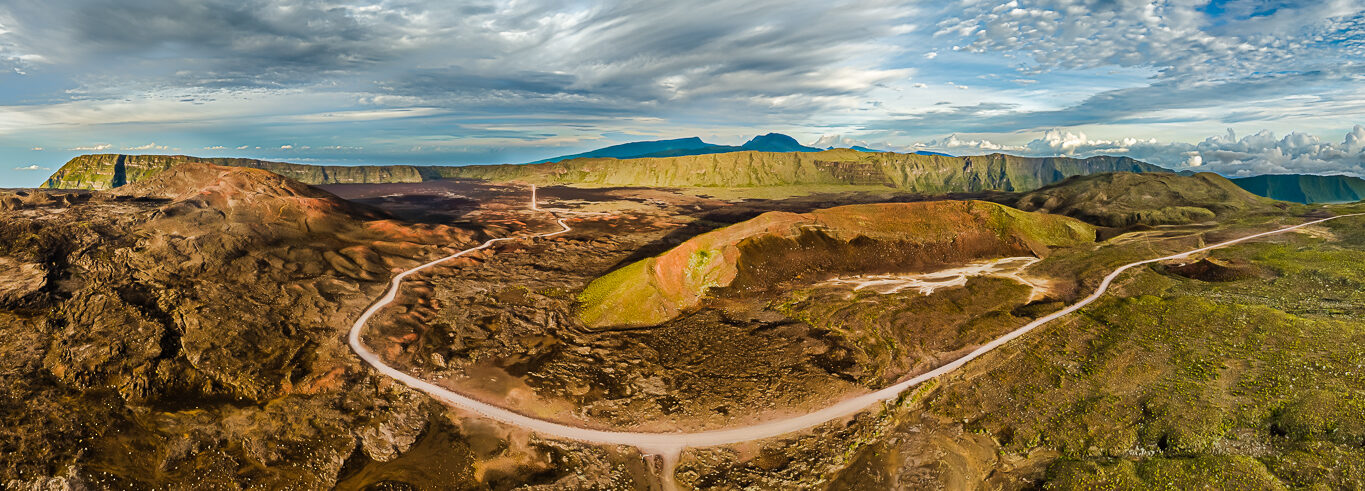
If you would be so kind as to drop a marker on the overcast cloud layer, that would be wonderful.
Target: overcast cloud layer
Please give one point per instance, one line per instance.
(1234, 86)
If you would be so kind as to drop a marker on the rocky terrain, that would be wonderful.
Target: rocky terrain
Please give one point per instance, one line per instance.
(784, 352)
(187, 330)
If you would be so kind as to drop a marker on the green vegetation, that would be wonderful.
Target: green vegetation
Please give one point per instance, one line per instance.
(1123, 199)
(1177, 383)
(900, 332)
(1203, 472)
(624, 287)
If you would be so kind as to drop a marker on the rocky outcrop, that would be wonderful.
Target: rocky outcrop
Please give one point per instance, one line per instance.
(777, 246)
(107, 171)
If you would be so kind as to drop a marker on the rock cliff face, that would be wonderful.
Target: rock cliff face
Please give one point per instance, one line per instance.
(107, 171)
(842, 167)
(858, 238)
(906, 172)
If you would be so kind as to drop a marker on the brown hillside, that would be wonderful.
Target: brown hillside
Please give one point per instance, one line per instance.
(855, 238)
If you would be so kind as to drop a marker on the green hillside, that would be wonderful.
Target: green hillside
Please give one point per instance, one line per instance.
(1157, 198)
(1302, 188)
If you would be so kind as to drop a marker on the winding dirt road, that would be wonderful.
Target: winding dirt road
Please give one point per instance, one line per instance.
(669, 445)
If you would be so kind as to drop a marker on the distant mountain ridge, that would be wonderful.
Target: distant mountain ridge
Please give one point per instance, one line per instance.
(840, 167)
(637, 149)
(1303, 188)
(771, 142)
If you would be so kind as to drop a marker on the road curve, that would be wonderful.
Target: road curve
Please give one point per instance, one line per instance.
(669, 444)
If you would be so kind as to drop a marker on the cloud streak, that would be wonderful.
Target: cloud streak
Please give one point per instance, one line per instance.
(1259, 153)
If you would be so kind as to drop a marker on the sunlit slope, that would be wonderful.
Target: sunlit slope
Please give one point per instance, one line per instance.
(906, 172)
(1123, 199)
(917, 173)
(857, 238)
(107, 171)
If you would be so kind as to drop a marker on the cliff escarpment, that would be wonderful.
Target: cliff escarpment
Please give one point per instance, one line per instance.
(108, 171)
(906, 172)
(842, 167)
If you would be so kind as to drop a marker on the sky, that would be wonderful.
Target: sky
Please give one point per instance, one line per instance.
(1239, 87)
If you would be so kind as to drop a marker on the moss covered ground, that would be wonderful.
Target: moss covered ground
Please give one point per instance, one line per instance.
(1177, 383)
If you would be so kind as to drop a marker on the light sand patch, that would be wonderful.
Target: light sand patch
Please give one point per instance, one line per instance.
(1318, 232)
(927, 283)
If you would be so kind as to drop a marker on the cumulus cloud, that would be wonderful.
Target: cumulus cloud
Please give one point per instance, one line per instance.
(1264, 153)
(1259, 153)
(31, 167)
(92, 148)
(149, 146)
(843, 141)
(958, 144)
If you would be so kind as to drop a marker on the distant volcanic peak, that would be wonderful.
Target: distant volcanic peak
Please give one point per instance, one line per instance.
(776, 142)
(778, 246)
(675, 146)
(693, 141)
